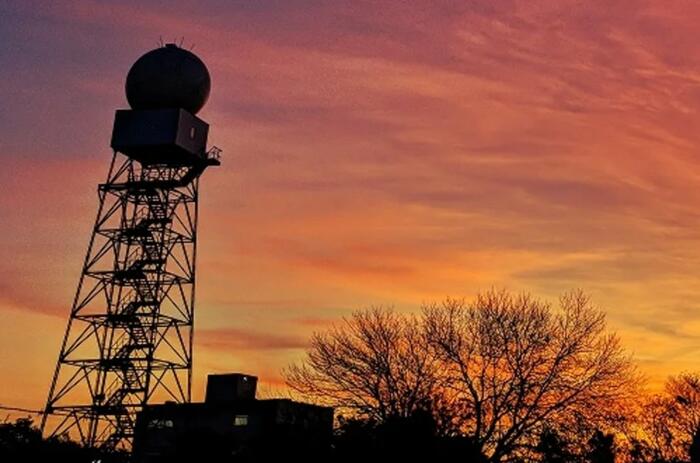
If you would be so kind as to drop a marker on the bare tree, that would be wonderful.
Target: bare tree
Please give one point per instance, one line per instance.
(498, 372)
(672, 419)
(376, 364)
(517, 367)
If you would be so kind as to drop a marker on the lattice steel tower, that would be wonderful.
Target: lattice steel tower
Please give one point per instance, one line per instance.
(129, 336)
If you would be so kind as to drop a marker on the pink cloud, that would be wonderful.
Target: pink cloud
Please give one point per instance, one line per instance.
(378, 153)
(235, 339)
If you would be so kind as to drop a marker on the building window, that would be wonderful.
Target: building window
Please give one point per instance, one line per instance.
(192, 132)
(240, 420)
(160, 424)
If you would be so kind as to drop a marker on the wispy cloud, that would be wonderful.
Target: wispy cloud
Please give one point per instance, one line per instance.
(377, 153)
(236, 339)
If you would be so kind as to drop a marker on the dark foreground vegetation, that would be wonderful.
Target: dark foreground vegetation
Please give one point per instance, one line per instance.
(504, 378)
(21, 441)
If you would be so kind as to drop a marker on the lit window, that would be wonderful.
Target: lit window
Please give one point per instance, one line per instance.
(160, 424)
(240, 420)
(192, 132)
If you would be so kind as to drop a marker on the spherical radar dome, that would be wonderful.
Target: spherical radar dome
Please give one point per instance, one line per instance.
(168, 77)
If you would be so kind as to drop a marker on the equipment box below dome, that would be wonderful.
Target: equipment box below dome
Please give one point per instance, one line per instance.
(160, 136)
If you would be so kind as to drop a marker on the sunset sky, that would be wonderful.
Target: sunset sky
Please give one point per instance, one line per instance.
(375, 153)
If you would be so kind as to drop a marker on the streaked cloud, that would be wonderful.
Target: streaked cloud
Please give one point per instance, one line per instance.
(237, 339)
(377, 152)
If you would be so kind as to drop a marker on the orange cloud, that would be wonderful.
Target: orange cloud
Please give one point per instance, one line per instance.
(374, 153)
(235, 339)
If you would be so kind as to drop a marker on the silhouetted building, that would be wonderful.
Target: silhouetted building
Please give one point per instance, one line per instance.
(232, 425)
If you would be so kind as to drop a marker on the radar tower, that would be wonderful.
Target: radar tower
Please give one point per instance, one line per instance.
(129, 336)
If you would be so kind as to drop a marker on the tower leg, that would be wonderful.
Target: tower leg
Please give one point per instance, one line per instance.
(129, 336)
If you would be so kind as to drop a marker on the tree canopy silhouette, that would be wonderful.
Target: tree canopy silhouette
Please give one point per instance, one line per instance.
(516, 366)
(377, 364)
(672, 419)
(501, 370)
(21, 441)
